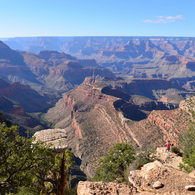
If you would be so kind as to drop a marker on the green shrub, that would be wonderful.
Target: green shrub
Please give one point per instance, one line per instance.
(176, 150)
(126, 176)
(185, 168)
(186, 143)
(187, 140)
(145, 157)
(188, 163)
(27, 167)
(115, 163)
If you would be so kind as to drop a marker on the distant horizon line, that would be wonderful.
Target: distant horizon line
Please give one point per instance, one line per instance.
(98, 36)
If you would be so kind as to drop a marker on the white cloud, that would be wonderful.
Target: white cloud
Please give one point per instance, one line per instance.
(165, 19)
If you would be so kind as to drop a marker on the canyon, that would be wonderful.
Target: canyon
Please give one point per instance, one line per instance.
(169, 58)
(101, 90)
(95, 121)
(31, 83)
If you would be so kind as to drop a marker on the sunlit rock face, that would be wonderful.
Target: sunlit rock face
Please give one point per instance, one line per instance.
(55, 138)
(95, 121)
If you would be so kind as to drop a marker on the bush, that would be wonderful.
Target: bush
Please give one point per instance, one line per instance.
(115, 163)
(186, 143)
(185, 168)
(27, 167)
(176, 150)
(187, 140)
(145, 157)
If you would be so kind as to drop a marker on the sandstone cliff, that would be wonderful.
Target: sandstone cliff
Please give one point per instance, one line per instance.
(28, 98)
(94, 123)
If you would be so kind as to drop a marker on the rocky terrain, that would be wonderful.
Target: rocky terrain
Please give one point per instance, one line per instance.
(17, 101)
(145, 59)
(95, 121)
(159, 177)
(99, 113)
(147, 67)
(46, 71)
(28, 98)
(181, 45)
(31, 83)
(141, 57)
(118, 89)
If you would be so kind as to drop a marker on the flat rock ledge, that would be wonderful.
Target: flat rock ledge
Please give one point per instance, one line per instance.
(56, 137)
(101, 188)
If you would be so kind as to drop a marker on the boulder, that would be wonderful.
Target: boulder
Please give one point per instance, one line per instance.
(161, 179)
(192, 174)
(157, 185)
(56, 138)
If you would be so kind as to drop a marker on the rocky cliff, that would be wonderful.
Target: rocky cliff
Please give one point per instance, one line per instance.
(47, 71)
(159, 177)
(188, 105)
(28, 98)
(95, 121)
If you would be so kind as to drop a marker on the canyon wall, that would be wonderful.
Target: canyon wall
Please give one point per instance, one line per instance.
(93, 124)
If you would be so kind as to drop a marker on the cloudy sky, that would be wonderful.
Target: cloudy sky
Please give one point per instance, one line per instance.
(27, 18)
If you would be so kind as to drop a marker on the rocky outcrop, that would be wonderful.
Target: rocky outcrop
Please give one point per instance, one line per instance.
(95, 121)
(171, 123)
(55, 138)
(101, 188)
(153, 179)
(159, 177)
(18, 111)
(12, 89)
(170, 180)
(188, 105)
(168, 158)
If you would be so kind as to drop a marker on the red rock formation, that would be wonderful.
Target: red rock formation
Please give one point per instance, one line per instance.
(68, 101)
(18, 111)
(12, 89)
(76, 129)
(94, 125)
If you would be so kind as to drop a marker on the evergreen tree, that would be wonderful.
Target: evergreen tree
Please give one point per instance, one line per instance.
(31, 167)
(115, 163)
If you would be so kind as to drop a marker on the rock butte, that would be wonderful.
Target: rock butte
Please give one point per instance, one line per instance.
(93, 124)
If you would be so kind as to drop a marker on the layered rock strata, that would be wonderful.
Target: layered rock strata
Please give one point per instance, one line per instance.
(94, 124)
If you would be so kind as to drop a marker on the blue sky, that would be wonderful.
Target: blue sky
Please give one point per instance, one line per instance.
(28, 18)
